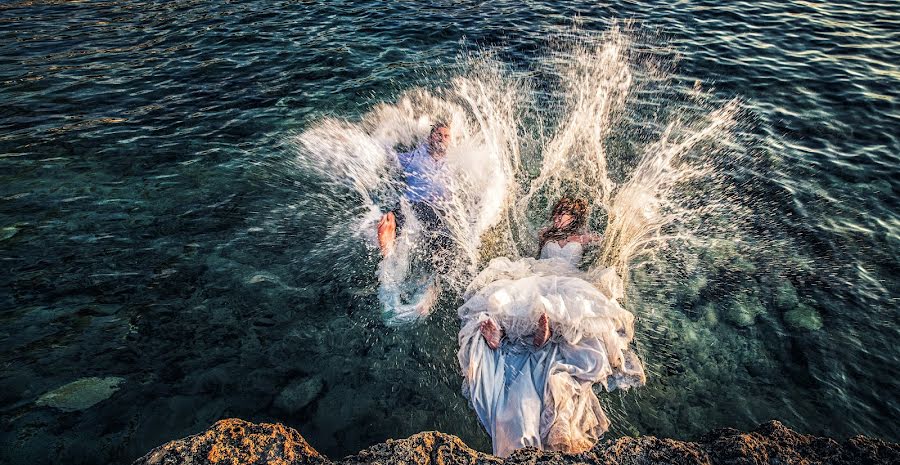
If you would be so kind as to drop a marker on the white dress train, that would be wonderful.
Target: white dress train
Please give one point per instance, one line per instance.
(543, 397)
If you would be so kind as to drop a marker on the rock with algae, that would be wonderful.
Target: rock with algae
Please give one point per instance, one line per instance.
(236, 441)
(296, 396)
(743, 310)
(708, 312)
(724, 254)
(81, 394)
(689, 291)
(8, 232)
(786, 296)
(803, 317)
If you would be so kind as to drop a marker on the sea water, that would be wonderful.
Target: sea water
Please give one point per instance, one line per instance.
(164, 222)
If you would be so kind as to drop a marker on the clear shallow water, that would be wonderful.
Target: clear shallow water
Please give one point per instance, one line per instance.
(149, 235)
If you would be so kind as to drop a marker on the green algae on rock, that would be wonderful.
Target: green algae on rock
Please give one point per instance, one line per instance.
(689, 291)
(804, 317)
(743, 310)
(296, 396)
(786, 296)
(8, 232)
(708, 312)
(80, 394)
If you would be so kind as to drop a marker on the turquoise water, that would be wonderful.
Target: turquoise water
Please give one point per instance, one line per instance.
(156, 234)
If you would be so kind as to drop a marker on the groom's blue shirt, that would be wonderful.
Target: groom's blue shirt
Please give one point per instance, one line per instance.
(425, 177)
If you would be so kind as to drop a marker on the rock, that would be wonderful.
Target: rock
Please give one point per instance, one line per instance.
(298, 395)
(720, 253)
(743, 310)
(648, 450)
(689, 291)
(786, 296)
(81, 394)
(725, 254)
(239, 442)
(772, 442)
(804, 318)
(264, 277)
(101, 309)
(430, 447)
(8, 232)
(708, 311)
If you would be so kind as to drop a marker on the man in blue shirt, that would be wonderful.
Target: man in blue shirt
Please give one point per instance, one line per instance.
(425, 174)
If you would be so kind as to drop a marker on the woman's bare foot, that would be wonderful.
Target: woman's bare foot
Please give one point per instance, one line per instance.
(491, 334)
(542, 334)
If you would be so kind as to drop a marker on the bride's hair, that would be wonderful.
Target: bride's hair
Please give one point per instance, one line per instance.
(573, 206)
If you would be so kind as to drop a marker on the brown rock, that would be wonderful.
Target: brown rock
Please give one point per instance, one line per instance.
(239, 442)
(648, 450)
(428, 448)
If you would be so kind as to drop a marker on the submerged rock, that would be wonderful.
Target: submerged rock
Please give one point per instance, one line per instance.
(724, 254)
(298, 395)
(81, 394)
(786, 296)
(709, 314)
(803, 317)
(689, 291)
(8, 232)
(239, 442)
(743, 310)
(263, 278)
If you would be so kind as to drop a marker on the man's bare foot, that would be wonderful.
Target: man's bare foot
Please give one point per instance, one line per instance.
(387, 232)
(429, 298)
(542, 334)
(491, 334)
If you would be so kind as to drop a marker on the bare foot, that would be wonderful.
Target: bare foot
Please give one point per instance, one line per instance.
(542, 334)
(491, 334)
(429, 298)
(387, 232)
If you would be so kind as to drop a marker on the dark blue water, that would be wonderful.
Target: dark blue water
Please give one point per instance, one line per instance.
(148, 237)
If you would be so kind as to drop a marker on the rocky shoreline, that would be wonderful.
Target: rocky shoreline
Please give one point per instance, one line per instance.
(234, 441)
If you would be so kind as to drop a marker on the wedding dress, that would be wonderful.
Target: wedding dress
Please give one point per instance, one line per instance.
(543, 397)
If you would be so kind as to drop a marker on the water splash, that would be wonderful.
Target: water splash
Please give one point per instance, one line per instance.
(600, 82)
(483, 109)
(519, 142)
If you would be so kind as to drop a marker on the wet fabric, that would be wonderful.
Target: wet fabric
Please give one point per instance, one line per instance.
(543, 397)
(437, 243)
(425, 177)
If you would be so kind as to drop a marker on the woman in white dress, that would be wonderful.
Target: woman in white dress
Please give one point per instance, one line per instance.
(538, 334)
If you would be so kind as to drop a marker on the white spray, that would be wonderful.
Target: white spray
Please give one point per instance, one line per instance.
(513, 152)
